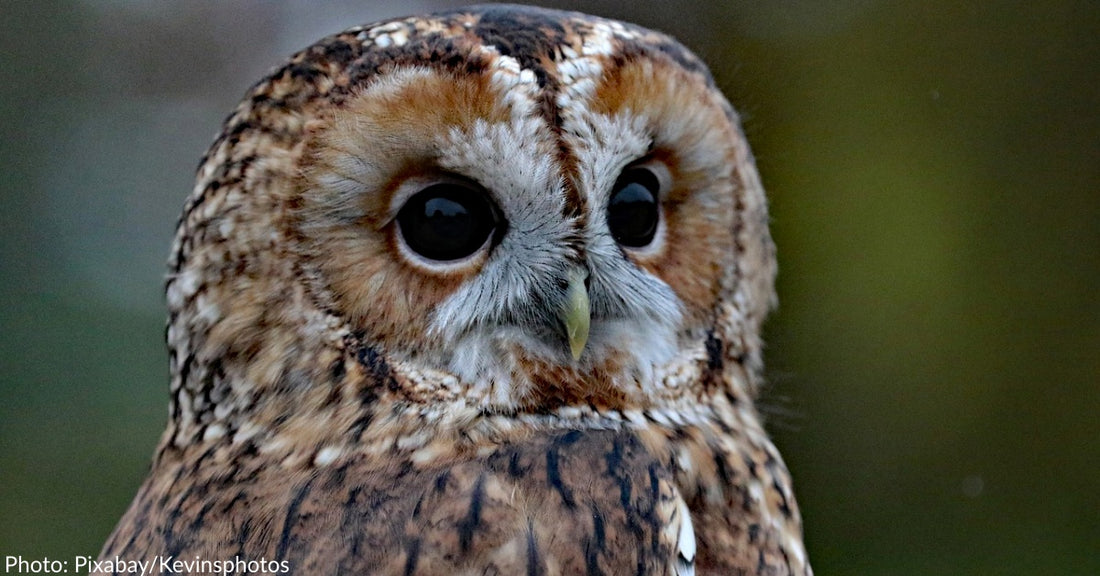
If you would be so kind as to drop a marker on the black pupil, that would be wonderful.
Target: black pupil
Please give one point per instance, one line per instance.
(632, 213)
(446, 221)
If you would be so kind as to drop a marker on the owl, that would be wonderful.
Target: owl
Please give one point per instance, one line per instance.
(478, 292)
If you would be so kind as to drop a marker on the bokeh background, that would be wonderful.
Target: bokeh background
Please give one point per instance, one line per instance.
(934, 174)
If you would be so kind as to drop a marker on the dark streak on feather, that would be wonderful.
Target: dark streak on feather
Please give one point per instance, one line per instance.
(468, 525)
(291, 519)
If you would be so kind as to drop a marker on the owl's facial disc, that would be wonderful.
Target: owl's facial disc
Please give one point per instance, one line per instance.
(538, 259)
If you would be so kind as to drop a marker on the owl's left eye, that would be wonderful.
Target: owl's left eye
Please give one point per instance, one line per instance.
(632, 213)
(447, 221)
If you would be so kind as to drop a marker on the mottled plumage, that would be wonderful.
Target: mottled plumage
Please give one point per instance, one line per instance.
(567, 398)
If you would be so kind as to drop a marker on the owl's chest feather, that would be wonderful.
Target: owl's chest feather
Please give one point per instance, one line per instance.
(595, 501)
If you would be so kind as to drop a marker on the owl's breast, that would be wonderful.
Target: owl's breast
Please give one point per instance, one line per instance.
(566, 502)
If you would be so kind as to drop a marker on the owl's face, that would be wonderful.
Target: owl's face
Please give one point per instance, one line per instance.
(543, 241)
(518, 209)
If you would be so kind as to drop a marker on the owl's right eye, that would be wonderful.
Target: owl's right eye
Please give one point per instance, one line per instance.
(447, 221)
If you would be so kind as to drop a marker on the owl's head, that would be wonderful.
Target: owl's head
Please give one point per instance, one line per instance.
(518, 208)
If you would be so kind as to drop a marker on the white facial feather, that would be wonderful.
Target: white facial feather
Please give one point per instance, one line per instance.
(508, 160)
(515, 297)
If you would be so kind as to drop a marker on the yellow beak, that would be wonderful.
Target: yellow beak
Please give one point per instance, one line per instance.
(576, 314)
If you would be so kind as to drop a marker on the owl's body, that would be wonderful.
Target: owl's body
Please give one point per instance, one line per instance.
(473, 293)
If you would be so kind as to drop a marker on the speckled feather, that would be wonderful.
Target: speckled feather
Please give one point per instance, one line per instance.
(323, 411)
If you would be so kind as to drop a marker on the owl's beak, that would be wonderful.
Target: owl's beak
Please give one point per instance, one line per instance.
(576, 313)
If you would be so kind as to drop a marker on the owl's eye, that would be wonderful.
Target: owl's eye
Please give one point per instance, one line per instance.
(447, 221)
(632, 214)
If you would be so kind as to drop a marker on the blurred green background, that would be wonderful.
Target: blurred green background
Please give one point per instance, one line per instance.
(934, 174)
